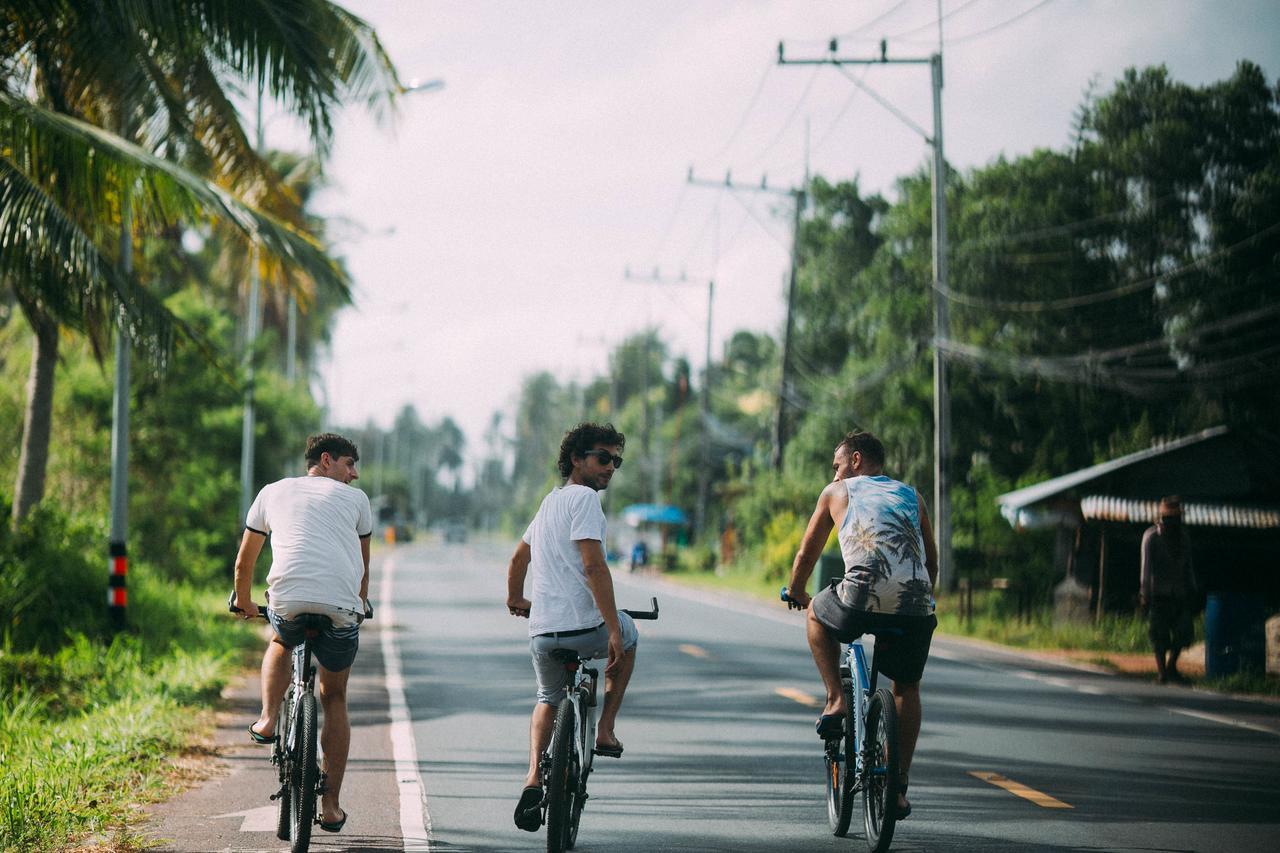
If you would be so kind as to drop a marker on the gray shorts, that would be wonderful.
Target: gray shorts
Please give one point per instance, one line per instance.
(334, 648)
(553, 678)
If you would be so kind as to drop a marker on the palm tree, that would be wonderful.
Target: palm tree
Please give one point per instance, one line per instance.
(158, 73)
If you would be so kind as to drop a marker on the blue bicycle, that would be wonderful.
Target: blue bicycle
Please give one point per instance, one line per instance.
(863, 757)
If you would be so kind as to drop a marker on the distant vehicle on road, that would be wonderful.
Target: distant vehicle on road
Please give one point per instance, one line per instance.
(455, 531)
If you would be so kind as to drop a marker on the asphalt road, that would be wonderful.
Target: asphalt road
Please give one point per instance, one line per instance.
(1016, 754)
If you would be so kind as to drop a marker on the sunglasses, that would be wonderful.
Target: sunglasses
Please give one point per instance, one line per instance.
(604, 457)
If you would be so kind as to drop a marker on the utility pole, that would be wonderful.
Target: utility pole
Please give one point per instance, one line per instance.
(797, 195)
(656, 277)
(941, 317)
(117, 550)
(250, 339)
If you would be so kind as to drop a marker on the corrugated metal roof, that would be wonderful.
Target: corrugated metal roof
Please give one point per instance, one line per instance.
(1108, 508)
(1011, 502)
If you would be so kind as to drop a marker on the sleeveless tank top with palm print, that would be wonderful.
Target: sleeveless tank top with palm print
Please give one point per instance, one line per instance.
(883, 549)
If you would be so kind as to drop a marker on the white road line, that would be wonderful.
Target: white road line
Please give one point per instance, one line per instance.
(261, 819)
(1218, 718)
(415, 821)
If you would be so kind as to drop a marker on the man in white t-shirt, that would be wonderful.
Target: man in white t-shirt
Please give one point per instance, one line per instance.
(320, 527)
(572, 605)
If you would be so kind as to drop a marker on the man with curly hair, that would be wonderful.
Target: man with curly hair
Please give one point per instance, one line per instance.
(572, 605)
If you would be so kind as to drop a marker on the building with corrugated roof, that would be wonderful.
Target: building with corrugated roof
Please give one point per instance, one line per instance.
(1229, 482)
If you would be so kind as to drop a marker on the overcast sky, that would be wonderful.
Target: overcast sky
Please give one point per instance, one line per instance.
(494, 220)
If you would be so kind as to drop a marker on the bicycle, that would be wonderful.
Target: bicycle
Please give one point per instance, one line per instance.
(294, 749)
(566, 764)
(865, 757)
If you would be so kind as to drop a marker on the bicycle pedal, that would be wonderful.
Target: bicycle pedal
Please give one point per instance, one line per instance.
(277, 795)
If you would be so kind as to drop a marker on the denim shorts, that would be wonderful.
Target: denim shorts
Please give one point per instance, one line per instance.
(553, 678)
(334, 648)
(902, 656)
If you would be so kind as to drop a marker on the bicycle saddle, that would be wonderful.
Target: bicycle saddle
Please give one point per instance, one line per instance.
(565, 656)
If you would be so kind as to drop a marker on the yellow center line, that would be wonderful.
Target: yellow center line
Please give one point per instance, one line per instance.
(694, 651)
(798, 696)
(1020, 790)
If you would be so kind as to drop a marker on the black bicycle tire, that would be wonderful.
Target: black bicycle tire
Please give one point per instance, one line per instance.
(880, 791)
(841, 774)
(305, 774)
(561, 784)
(284, 815)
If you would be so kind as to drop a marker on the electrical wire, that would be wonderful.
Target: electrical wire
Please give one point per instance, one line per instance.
(980, 33)
(861, 28)
(786, 125)
(745, 113)
(1034, 306)
(932, 23)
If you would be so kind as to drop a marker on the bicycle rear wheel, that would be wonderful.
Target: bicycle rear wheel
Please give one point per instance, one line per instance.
(305, 775)
(880, 766)
(280, 758)
(562, 786)
(841, 761)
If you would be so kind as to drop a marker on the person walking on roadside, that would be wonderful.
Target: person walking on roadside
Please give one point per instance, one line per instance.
(319, 526)
(1167, 587)
(573, 604)
(891, 565)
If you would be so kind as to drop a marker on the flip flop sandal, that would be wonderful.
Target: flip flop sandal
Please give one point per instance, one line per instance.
(528, 811)
(261, 740)
(336, 826)
(609, 751)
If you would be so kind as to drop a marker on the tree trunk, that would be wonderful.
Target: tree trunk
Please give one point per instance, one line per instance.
(33, 461)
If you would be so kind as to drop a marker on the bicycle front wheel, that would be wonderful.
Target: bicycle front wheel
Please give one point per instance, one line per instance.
(305, 775)
(562, 785)
(841, 760)
(880, 766)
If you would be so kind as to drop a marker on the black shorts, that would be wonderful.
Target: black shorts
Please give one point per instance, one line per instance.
(900, 657)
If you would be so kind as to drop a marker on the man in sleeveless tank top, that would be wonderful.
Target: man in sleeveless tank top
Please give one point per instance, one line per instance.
(891, 565)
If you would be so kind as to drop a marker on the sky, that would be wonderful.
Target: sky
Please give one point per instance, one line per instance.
(489, 226)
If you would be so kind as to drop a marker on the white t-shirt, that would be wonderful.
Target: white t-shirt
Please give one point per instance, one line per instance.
(316, 525)
(562, 600)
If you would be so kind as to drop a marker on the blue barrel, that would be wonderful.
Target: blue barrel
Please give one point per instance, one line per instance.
(1234, 634)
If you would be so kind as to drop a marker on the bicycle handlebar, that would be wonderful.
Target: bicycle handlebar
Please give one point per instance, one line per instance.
(792, 604)
(368, 608)
(651, 613)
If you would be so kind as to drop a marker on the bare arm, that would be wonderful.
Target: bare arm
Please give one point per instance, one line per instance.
(1144, 571)
(601, 583)
(250, 547)
(364, 581)
(930, 546)
(517, 604)
(815, 539)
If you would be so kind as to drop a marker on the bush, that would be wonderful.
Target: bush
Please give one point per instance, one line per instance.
(49, 581)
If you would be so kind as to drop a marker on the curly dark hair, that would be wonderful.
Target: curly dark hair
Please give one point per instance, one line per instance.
(331, 443)
(582, 438)
(866, 444)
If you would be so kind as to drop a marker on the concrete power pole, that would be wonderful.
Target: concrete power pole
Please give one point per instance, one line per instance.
(941, 317)
(700, 513)
(117, 551)
(797, 195)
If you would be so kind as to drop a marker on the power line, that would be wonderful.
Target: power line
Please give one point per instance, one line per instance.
(999, 26)
(1123, 290)
(932, 23)
(745, 113)
(871, 23)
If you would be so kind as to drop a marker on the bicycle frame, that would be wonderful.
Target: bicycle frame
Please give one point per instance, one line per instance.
(864, 684)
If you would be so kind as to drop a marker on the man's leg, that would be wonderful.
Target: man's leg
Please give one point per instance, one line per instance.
(614, 687)
(826, 654)
(275, 680)
(907, 699)
(335, 740)
(540, 725)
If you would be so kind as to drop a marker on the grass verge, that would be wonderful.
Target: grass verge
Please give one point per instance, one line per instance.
(89, 732)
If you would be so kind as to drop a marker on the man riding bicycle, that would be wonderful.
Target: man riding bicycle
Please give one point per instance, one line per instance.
(319, 527)
(573, 604)
(891, 564)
